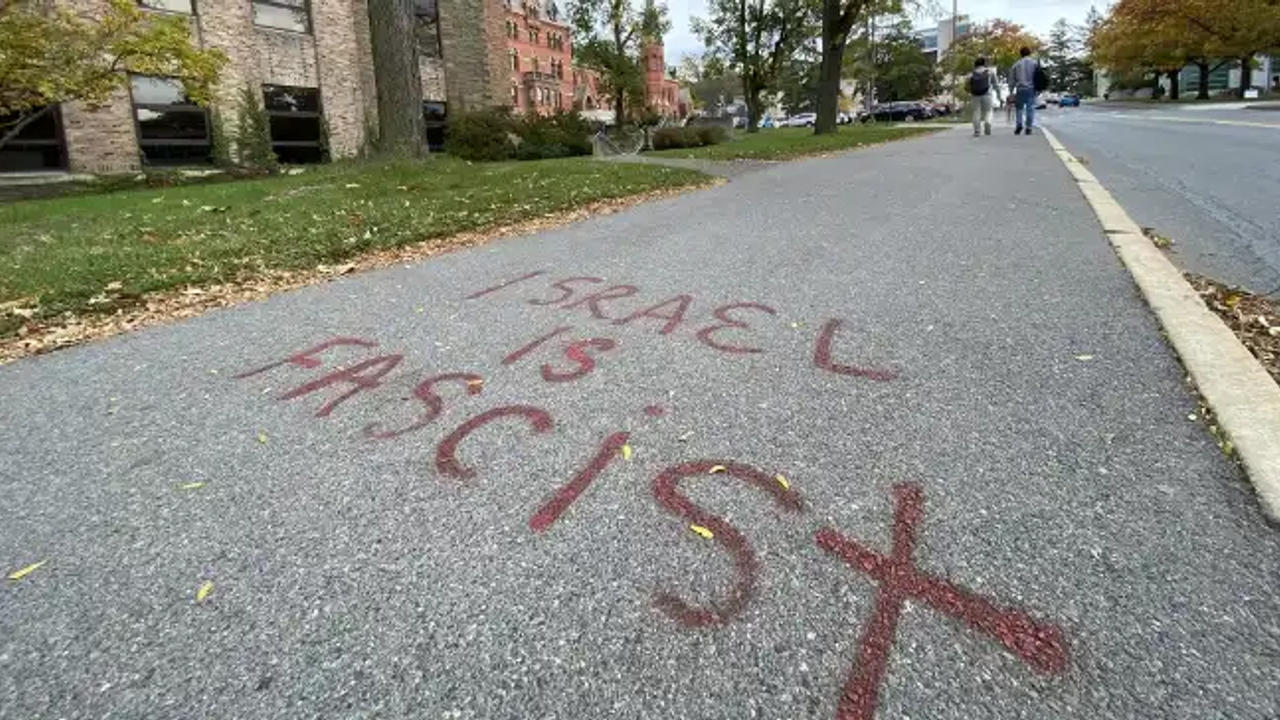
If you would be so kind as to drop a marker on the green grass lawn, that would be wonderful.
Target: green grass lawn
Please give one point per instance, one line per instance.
(784, 143)
(95, 252)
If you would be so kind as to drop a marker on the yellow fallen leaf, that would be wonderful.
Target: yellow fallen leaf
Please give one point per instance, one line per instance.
(192, 486)
(716, 469)
(626, 452)
(419, 309)
(1084, 358)
(204, 591)
(475, 383)
(19, 574)
(262, 437)
(782, 481)
(702, 531)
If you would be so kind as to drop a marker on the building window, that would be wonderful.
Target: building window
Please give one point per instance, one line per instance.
(174, 6)
(515, 96)
(171, 128)
(426, 28)
(297, 127)
(435, 115)
(291, 15)
(535, 64)
(515, 59)
(38, 146)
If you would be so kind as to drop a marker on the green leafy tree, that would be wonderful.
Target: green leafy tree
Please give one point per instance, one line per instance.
(610, 36)
(899, 69)
(51, 54)
(755, 39)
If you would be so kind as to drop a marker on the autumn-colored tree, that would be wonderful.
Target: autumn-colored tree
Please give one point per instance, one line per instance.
(999, 41)
(1188, 31)
(755, 40)
(51, 54)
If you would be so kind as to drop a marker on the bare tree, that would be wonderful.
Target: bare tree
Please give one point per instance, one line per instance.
(395, 62)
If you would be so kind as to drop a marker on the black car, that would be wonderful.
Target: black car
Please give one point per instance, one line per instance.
(899, 112)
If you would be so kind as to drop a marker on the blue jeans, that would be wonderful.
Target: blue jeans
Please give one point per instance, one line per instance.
(1025, 106)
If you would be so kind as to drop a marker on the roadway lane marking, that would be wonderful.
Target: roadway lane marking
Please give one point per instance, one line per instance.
(1171, 118)
(1243, 396)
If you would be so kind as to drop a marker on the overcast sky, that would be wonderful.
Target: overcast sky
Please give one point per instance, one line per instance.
(1037, 15)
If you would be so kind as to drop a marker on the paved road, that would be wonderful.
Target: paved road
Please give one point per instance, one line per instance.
(893, 448)
(1208, 177)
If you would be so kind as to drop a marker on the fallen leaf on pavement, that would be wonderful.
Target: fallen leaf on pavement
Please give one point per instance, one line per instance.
(702, 531)
(716, 469)
(19, 574)
(626, 452)
(262, 437)
(1084, 358)
(192, 486)
(204, 591)
(782, 481)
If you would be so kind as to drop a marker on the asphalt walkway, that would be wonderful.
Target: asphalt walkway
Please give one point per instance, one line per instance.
(887, 434)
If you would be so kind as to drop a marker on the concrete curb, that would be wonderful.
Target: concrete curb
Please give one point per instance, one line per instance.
(1242, 395)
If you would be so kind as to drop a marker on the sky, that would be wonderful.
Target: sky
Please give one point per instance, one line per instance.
(1037, 15)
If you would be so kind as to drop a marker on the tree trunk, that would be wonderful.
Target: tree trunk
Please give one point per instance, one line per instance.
(834, 39)
(395, 62)
(619, 108)
(1246, 73)
(752, 96)
(1174, 77)
(1202, 93)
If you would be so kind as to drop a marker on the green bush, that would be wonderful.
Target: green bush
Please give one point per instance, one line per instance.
(561, 135)
(483, 135)
(688, 137)
(711, 134)
(253, 134)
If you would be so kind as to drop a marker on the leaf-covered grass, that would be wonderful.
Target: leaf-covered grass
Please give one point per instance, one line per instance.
(92, 252)
(785, 143)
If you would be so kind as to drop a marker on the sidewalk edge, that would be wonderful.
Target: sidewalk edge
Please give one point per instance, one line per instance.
(1244, 398)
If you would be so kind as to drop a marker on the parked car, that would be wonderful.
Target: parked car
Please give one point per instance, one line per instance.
(800, 120)
(1052, 98)
(900, 112)
(1040, 103)
(1069, 100)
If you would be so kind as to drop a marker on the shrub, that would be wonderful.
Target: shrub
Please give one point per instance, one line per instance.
(563, 134)
(483, 135)
(688, 137)
(711, 134)
(253, 133)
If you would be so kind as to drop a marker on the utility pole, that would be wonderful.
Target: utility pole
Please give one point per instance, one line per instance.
(871, 61)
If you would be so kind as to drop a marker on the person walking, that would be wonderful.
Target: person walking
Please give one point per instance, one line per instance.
(982, 87)
(1026, 79)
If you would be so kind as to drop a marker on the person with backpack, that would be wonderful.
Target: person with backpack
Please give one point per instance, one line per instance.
(1026, 79)
(982, 86)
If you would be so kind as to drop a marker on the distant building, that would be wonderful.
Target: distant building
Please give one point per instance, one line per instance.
(662, 93)
(936, 40)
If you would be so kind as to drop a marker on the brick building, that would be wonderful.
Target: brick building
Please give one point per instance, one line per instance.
(539, 57)
(309, 62)
(662, 93)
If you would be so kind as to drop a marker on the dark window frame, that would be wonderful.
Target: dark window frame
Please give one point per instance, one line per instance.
(185, 108)
(318, 114)
(58, 141)
(287, 5)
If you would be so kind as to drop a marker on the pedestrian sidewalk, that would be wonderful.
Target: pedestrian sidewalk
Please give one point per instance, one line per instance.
(882, 434)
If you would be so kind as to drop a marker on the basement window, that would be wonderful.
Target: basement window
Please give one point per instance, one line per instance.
(297, 127)
(38, 146)
(435, 114)
(292, 15)
(172, 130)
